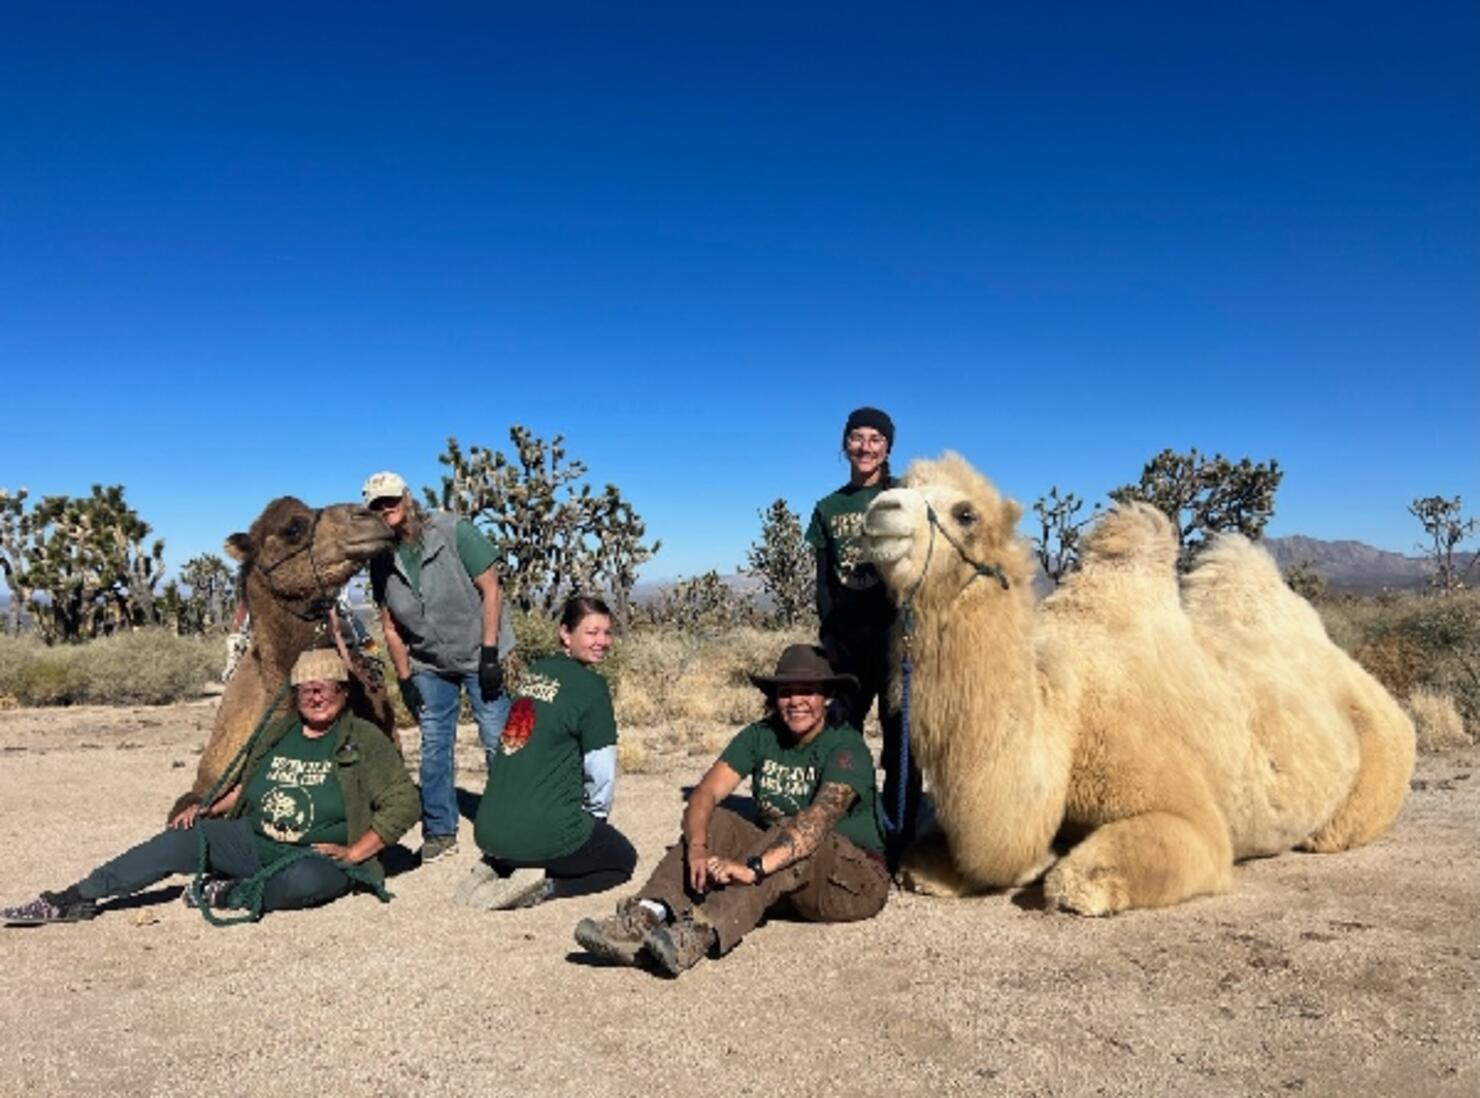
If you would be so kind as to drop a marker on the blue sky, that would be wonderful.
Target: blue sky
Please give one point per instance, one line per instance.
(248, 250)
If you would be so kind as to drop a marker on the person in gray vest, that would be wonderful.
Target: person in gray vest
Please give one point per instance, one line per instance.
(446, 630)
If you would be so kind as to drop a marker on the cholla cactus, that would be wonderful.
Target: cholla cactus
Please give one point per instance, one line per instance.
(785, 564)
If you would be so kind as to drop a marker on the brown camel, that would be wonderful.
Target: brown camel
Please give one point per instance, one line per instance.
(294, 562)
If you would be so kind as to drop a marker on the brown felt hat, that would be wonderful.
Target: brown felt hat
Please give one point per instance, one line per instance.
(318, 665)
(805, 665)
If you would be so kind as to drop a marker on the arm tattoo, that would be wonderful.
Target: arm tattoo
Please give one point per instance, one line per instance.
(804, 832)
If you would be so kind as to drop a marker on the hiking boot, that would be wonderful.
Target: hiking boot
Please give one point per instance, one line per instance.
(680, 945)
(436, 846)
(49, 907)
(521, 888)
(619, 937)
(215, 891)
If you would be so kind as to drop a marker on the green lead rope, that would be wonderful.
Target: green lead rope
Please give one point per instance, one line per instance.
(248, 893)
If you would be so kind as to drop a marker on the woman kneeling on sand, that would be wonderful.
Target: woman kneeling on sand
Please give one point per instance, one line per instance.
(321, 794)
(819, 850)
(542, 824)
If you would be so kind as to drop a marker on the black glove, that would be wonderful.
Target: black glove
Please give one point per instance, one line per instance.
(490, 674)
(411, 695)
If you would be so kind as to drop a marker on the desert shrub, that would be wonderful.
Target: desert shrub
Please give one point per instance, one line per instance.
(690, 683)
(1437, 721)
(1416, 641)
(1395, 661)
(148, 667)
(55, 678)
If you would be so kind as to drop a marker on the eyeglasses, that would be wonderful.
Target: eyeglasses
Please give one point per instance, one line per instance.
(859, 439)
(318, 689)
(384, 503)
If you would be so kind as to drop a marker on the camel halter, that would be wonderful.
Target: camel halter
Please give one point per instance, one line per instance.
(906, 660)
(315, 606)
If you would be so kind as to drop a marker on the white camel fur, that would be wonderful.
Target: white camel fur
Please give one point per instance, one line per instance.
(1166, 728)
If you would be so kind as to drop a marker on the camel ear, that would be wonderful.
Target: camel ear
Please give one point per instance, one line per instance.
(239, 547)
(1012, 510)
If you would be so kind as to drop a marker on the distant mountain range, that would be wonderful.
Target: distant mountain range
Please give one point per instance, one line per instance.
(1355, 567)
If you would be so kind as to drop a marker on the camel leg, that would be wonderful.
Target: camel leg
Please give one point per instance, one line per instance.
(1386, 745)
(928, 868)
(1150, 860)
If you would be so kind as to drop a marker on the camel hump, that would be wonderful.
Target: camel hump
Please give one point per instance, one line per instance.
(1135, 535)
(1232, 563)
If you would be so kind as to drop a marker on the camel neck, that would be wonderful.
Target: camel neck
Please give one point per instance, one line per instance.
(998, 767)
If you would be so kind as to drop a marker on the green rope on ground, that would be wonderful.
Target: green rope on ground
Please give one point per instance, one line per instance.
(248, 893)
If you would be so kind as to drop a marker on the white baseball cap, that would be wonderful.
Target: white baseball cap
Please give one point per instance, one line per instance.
(383, 485)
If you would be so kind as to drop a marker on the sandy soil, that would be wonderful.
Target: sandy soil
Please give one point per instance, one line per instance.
(1353, 974)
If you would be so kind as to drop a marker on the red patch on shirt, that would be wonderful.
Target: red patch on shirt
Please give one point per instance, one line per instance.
(845, 760)
(519, 726)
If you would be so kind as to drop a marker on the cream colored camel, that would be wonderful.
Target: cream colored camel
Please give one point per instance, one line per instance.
(1166, 730)
(294, 561)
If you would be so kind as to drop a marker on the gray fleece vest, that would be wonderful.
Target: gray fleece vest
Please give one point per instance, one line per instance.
(442, 625)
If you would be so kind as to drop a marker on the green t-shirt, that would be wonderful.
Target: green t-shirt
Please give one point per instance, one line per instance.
(531, 809)
(856, 596)
(294, 797)
(474, 550)
(784, 780)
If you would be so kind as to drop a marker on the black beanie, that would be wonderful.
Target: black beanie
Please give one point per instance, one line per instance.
(870, 417)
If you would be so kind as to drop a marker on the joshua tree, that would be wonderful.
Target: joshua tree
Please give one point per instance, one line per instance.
(1203, 495)
(553, 534)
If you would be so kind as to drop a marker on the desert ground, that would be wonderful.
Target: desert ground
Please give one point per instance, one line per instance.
(1353, 974)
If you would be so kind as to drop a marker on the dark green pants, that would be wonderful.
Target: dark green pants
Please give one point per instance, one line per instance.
(232, 847)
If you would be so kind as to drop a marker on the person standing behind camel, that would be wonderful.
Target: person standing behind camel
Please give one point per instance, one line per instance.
(854, 610)
(445, 630)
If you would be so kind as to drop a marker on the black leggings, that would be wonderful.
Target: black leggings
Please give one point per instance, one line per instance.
(232, 852)
(605, 860)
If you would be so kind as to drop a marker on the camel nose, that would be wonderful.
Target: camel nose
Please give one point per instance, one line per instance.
(880, 512)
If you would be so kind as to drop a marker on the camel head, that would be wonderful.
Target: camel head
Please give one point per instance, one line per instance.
(300, 558)
(970, 513)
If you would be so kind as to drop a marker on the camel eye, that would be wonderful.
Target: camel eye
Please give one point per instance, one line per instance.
(296, 528)
(964, 514)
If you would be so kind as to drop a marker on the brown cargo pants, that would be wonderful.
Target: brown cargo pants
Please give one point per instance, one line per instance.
(837, 883)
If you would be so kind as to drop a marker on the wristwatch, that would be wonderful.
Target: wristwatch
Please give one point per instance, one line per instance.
(753, 863)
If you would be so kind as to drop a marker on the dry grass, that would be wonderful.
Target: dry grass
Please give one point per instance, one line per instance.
(1437, 721)
(685, 682)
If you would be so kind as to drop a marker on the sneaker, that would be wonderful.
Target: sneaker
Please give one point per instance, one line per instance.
(481, 874)
(435, 846)
(522, 888)
(680, 945)
(619, 937)
(214, 890)
(49, 907)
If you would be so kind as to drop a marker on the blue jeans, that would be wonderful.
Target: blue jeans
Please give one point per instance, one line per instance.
(441, 696)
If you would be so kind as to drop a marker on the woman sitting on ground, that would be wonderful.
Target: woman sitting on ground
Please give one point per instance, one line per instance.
(818, 849)
(321, 794)
(542, 824)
